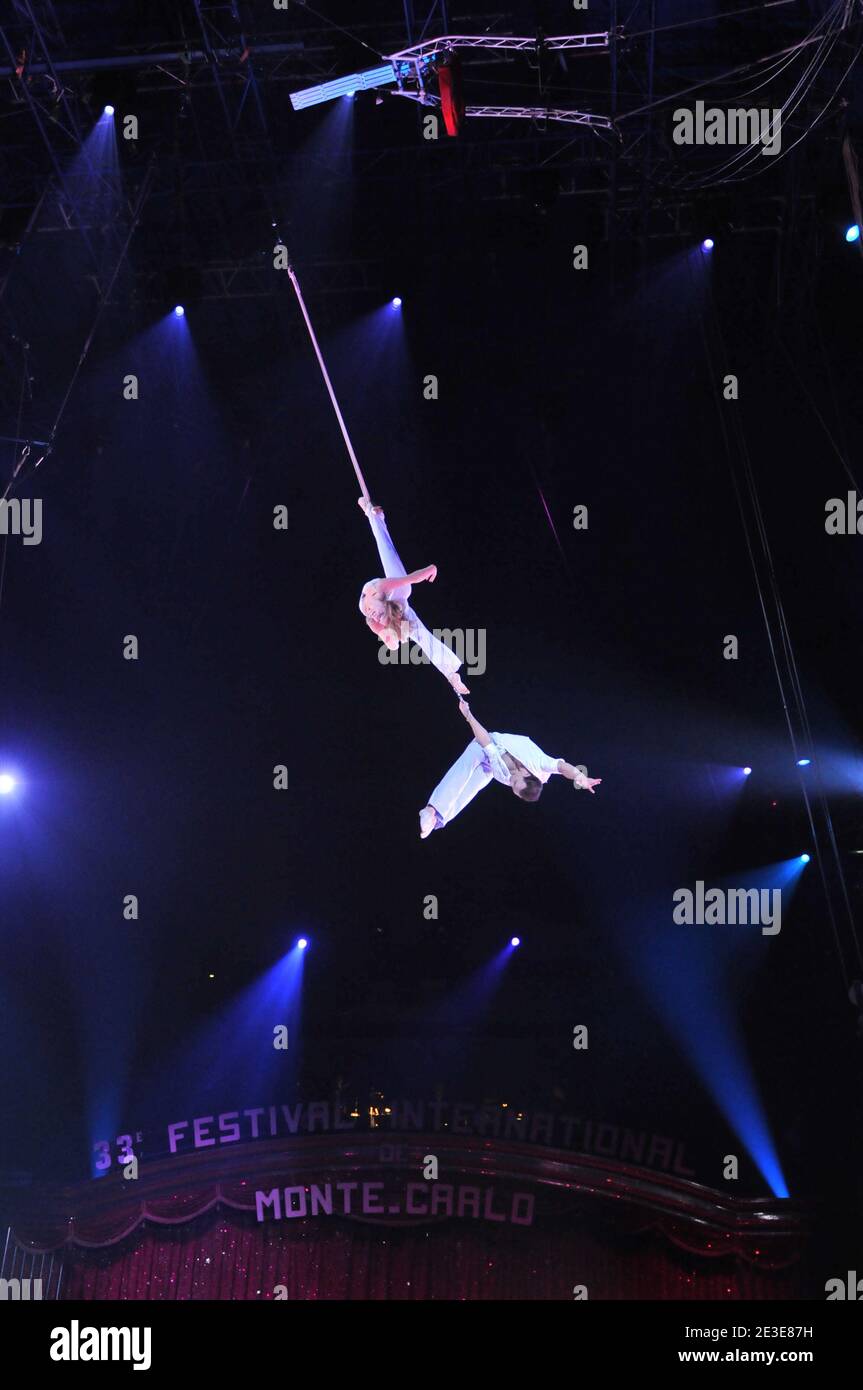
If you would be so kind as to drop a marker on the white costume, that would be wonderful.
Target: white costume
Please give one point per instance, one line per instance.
(412, 629)
(477, 766)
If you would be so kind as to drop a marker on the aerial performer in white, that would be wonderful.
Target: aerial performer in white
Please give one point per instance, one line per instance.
(512, 759)
(384, 603)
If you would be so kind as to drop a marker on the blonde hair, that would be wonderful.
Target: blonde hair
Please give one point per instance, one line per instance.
(394, 630)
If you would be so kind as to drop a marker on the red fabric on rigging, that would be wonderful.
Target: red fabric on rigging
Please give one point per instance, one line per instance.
(451, 98)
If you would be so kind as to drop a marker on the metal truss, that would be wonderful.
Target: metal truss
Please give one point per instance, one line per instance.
(413, 67)
(234, 164)
(209, 34)
(524, 113)
(537, 113)
(498, 43)
(29, 56)
(255, 278)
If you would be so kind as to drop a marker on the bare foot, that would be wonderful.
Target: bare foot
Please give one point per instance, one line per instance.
(427, 821)
(368, 506)
(458, 684)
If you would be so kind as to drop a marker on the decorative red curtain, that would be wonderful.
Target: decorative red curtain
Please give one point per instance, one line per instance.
(228, 1255)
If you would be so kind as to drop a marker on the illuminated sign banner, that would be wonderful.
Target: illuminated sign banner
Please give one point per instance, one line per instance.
(595, 1137)
(415, 1199)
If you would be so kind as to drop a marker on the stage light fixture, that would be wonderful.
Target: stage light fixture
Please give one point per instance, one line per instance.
(853, 233)
(396, 303)
(804, 859)
(516, 941)
(7, 783)
(109, 111)
(302, 943)
(747, 771)
(803, 762)
(179, 311)
(344, 86)
(707, 244)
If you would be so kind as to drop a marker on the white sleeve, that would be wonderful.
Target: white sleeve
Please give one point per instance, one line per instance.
(499, 770)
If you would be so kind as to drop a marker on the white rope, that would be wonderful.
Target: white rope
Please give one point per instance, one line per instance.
(329, 385)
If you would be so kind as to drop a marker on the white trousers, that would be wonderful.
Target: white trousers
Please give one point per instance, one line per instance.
(467, 776)
(443, 657)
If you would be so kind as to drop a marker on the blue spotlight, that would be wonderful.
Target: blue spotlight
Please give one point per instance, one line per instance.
(853, 233)
(7, 783)
(179, 311)
(803, 762)
(302, 944)
(747, 771)
(516, 941)
(396, 303)
(707, 244)
(804, 859)
(109, 111)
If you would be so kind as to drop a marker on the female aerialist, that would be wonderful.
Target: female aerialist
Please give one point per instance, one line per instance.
(512, 759)
(384, 604)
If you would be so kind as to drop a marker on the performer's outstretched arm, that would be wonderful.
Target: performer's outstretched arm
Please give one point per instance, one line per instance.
(482, 736)
(385, 587)
(575, 774)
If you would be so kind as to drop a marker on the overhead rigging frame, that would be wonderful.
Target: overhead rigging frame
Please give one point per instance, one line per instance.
(414, 67)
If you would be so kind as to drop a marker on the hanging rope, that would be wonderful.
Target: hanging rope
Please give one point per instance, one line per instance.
(329, 385)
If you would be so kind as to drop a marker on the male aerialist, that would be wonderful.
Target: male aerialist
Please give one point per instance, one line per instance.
(512, 759)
